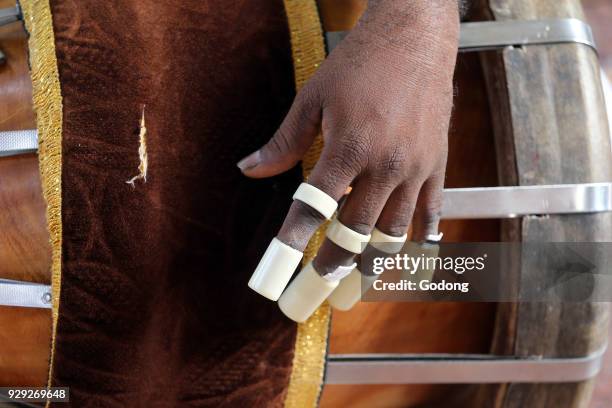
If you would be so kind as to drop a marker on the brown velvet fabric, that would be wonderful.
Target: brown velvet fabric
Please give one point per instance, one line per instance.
(155, 308)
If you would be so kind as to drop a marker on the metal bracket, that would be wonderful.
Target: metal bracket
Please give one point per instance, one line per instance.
(396, 368)
(490, 35)
(24, 294)
(457, 369)
(10, 15)
(458, 203)
(517, 201)
(15, 142)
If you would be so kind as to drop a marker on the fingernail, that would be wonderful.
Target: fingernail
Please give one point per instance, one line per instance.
(249, 162)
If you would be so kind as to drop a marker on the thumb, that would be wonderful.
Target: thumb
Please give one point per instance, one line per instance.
(289, 143)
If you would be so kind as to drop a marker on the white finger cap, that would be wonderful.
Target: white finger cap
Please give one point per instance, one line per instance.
(317, 199)
(434, 237)
(387, 243)
(350, 290)
(275, 269)
(305, 294)
(346, 238)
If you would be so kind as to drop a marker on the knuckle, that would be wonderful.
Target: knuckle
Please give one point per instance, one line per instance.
(392, 164)
(354, 147)
(349, 158)
(307, 96)
(281, 142)
(418, 167)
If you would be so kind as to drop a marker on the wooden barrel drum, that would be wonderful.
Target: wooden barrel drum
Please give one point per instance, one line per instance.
(489, 140)
(492, 122)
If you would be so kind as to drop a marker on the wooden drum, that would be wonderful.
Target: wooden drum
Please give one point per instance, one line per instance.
(492, 142)
(497, 138)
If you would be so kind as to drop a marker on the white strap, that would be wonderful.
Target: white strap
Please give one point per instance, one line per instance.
(340, 272)
(275, 269)
(387, 243)
(434, 237)
(317, 199)
(24, 294)
(346, 238)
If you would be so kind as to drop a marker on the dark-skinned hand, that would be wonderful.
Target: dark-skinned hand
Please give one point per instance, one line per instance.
(382, 100)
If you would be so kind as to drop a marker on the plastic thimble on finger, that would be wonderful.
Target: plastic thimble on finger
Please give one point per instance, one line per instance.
(317, 199)
(346, 238)
(280, 260)
(428, 250)
(352, 288)
(386, 243)
(309, 290)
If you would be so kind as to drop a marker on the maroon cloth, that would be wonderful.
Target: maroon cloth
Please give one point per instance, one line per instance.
(155, 308)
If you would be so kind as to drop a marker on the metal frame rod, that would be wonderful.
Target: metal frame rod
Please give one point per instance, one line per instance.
(457, 369)
(490, 35)
(9, 15)
(395, 368)
(487, 35)
(517, 201)
(24, 294)
(458, 203)
(16, 142)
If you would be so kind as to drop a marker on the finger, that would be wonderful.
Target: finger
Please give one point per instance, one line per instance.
(317, 280)
(330, 175)
(393, 221)
(330, 178)
(291, 140)
(359, 213)
(396, 216)
(428, 208)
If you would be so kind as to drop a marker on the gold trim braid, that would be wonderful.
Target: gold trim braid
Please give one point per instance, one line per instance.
(47, 100)
(308, 51)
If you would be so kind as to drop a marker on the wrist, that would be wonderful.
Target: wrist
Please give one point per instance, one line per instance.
(422, 7)
(397, 16)
(431, 25)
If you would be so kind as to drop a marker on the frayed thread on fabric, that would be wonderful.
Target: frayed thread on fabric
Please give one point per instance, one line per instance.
(142, 153)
